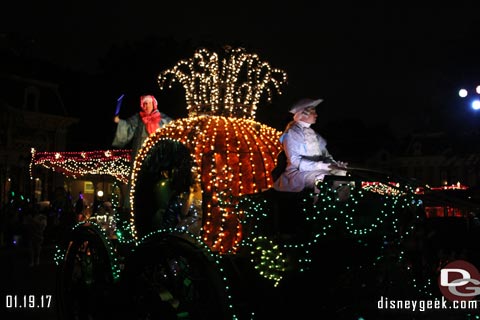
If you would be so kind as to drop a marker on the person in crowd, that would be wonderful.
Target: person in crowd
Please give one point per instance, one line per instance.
(79, 204)
(307, 157)
(36, 222)
(137, 128)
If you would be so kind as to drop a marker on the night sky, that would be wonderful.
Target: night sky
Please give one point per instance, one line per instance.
(380, 64)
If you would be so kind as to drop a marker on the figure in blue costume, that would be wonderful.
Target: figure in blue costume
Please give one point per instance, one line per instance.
(308, 160)
(137, 128)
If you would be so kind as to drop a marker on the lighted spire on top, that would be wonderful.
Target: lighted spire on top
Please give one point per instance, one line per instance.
(231, 86)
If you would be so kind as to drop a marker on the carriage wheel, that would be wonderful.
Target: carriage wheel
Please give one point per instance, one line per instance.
(85, 280)
(170, 278)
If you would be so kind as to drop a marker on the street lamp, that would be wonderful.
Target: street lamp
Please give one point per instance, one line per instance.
(475, 102)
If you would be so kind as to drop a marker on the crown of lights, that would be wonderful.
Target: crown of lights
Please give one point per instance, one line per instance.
(232, 86)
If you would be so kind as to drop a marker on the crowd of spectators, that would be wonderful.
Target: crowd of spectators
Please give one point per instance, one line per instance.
(19, 214)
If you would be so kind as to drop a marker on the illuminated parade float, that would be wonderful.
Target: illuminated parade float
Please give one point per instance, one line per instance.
(206, 237)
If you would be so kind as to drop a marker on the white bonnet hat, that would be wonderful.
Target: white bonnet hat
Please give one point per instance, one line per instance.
(304, 104)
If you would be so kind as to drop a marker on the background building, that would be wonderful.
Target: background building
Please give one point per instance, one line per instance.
(32, 115)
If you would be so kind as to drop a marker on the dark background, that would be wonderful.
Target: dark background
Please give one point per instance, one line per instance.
(382, 69)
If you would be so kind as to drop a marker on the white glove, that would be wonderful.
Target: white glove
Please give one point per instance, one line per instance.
(341, 164)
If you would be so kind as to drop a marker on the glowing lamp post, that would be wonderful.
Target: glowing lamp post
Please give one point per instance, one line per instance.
(475, 102)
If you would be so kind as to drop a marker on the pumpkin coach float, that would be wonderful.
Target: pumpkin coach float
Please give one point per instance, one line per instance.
(206, 236)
